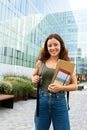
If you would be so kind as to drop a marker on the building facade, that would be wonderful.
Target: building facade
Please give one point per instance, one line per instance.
(24, 25)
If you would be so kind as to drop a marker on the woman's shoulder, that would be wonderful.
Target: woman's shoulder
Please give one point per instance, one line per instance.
(38, 63)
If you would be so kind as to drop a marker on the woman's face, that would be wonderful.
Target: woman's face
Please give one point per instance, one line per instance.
(53, 47)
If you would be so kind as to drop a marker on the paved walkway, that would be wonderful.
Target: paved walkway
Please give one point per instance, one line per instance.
(21, 116)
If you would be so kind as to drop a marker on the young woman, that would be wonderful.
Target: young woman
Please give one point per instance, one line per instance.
(52, 101)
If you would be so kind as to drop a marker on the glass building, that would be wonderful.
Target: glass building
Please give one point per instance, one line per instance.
(24, 25)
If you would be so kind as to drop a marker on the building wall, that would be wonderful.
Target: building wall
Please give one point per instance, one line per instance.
(24, 25)
(6, 69)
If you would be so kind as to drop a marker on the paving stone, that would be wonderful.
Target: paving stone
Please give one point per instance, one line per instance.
(21, 117)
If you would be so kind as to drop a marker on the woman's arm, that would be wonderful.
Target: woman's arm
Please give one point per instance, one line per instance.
(35, 77)
(70, 87)
(73, 84)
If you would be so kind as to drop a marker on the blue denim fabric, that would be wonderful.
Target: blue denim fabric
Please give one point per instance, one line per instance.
(53, 107)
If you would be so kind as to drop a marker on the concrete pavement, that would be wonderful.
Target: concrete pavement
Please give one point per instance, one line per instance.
(21, 116)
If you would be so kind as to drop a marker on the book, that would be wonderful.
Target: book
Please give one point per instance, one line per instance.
(63, 72)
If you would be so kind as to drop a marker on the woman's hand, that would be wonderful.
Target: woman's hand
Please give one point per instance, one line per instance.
(55, 88)
(36, 79)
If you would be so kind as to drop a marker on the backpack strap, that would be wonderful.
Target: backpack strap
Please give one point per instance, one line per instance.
(68, 100)
(37, 103)
(38, 86)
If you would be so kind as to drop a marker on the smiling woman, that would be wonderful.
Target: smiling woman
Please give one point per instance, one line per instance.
(52, 104)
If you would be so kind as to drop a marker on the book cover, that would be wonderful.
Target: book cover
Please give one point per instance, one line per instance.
(63, 72)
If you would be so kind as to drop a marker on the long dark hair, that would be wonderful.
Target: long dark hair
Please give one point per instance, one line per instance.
(44, 54)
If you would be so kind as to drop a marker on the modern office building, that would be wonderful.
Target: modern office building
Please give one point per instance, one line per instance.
(24, 25)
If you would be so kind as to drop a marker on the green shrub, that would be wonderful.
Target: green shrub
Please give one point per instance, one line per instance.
(6, 87)
(16, 85)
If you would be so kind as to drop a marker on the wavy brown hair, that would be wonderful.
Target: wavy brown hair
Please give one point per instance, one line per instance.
(44, 54)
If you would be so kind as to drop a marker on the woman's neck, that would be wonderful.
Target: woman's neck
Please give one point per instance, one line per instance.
(52, 62)
(54, 59)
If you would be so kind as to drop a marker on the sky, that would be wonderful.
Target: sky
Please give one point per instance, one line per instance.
(52, 6)
(78, 4)
(66, 5)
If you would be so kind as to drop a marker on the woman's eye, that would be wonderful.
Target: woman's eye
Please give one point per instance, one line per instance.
(49, 45)
(55, 44)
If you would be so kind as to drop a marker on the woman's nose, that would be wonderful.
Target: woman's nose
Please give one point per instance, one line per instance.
(52, 47)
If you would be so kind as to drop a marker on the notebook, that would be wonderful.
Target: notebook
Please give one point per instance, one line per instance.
(63, 72)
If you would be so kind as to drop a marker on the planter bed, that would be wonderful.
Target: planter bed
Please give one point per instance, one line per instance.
(6, 100)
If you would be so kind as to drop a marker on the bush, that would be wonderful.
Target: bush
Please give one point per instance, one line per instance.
(5, 87)
(16, 85)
